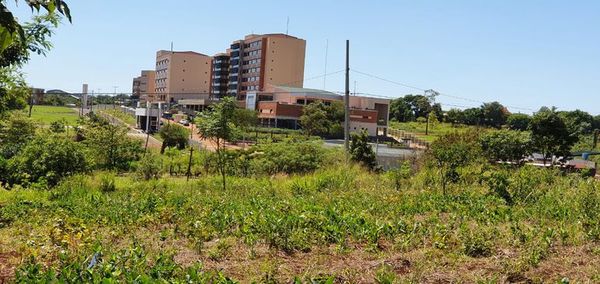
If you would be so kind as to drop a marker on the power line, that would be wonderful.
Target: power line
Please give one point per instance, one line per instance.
(423, 90)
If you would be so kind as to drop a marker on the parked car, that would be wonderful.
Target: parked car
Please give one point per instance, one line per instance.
(184, 122)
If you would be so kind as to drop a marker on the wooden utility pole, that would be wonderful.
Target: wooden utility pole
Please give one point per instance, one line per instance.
(189, 169)
(347, 100)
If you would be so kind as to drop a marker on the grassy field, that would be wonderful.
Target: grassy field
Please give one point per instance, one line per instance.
(339, 224)
(48, 114)
(435, 131)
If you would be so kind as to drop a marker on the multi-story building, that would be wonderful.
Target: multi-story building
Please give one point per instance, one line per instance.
(261, 60)
(281, 106)
(219, 75)
(143, 86)
(182, 75)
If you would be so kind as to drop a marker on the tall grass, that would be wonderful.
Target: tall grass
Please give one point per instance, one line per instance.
(341, 206)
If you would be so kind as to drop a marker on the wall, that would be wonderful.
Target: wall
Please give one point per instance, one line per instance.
(284, 61)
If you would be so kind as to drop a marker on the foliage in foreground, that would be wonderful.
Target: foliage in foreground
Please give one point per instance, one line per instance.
(300, 214)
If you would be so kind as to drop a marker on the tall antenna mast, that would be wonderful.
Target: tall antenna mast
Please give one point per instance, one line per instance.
(171, 47)
(287, 26)
(326, 54)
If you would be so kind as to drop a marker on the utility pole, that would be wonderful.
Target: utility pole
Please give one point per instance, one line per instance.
(147, 127)
(189, 170)
(114, 96)
(347, 100)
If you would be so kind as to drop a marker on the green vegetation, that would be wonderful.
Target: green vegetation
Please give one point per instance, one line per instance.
(122, 116)
(323, 120)
(173, 135)
(48, 114)
(97, 208)
(307, 226)
(435, 131)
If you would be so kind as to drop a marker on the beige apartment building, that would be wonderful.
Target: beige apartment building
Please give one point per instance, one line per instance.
(261, 60)
(182, 75)
(143, 86)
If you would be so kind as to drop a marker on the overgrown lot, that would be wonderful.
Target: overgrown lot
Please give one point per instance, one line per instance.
(340, 224)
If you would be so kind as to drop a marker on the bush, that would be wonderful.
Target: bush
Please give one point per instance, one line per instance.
(48, 159)
(286, 157)
(506, 145)
(150, 166)
(173, 135)
(361, 152)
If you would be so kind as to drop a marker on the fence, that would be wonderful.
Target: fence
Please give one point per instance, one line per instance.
(410, 138)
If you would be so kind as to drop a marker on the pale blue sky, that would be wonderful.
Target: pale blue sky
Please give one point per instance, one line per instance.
(522, 53)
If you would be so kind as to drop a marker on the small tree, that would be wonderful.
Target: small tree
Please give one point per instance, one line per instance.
(455, 116)
(452, 151)
(218, 126)
(15, 132)
(361, 152)
(110, 147)
(494, 114)
(173, 135)
(518, 121)
(550, 134)
(314, 119)
(506, 145)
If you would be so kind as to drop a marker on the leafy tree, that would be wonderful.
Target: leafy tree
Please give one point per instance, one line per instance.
(494, 114)
(452, 151)
(218, 126)
(314, 119)
(506, 145)
(433, 120)
(13, 89)
(15, 132)
(596, 123)
(550, 134)
(579, 122)
(110, 147)
(11, 30)
(173, 135)
(518, 121)
(455, 116)
(245, 119)
(361, 152)
(473, 116)
(48, 158)
(16, 51)
(400, 110)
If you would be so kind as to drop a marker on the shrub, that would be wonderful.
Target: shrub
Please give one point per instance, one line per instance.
(361, 152)
(286, 157)
(15, 132)
(452, 151)
(173, 135)
(107, 182)
(150, 166)
(506, 145)
(49, 158)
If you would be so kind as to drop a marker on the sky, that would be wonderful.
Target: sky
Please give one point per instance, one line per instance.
(524, 54)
